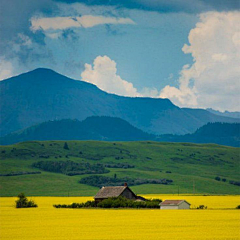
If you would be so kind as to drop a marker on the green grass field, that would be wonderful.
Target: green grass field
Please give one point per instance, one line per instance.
(193, 167)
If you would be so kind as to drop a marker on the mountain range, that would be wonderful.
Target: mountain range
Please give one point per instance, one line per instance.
(116, 129)
(227, 134)
(225, 113)
(43, 95)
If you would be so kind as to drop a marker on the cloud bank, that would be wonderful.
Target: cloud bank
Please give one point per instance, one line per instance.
(213, 80)
(44, 34)
(103, 73)
(87, 21)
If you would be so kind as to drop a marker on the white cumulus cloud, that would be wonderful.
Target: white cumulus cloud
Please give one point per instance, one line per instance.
(87, 21)
(213, 80)
(103, 73)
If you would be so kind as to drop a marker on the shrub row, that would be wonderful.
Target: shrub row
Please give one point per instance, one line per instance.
(17, 173)
(99, 181)
(119, 202)
(70, 168)
(122, 202)
(119, 165)
(230, 181)
(234, 183)
(88, 204)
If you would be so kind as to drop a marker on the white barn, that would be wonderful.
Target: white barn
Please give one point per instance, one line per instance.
(174, 204)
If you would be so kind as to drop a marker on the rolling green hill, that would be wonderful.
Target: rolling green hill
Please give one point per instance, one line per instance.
(191, 167)
(92, 128)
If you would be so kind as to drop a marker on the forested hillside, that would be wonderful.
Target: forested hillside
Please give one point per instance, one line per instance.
(220, 133)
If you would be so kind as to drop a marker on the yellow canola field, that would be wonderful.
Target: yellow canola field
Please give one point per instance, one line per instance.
(212, 202)
(222, 221)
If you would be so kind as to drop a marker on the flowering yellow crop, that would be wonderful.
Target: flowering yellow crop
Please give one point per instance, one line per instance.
(212, 202)
(46, 222)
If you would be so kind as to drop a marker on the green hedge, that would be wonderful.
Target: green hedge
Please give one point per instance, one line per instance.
(70, 168)
(99, 181)
(119, 202)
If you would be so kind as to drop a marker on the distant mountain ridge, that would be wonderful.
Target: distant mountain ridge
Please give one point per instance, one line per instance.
(92, 128)
(43, 95)
(220, 133)
(225, 114)
(116, 129)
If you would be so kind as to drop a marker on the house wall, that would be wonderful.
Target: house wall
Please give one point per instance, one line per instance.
(168, 207)
(184, 205)
(128, 194)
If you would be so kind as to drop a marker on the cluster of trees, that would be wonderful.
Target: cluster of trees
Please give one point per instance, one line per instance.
(230, 181)
(122, 202)
(23, 202)
(234, 183)
(219, 179)
(115, 202)
(43, 156)
(17, 173)
(70, 168)
(119, 165)
(99, 181)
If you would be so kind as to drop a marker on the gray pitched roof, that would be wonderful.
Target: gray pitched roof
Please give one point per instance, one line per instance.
(106, 192)
(172, 202)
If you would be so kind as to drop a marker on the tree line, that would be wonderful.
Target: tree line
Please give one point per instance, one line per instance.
(70, 168)
(99, 181)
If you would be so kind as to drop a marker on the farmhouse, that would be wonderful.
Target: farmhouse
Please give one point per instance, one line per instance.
(174, 204)
(117, 191)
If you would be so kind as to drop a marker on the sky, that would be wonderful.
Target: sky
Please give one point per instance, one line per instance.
(184, 50)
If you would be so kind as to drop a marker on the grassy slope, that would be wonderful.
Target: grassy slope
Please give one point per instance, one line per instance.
(151, 160)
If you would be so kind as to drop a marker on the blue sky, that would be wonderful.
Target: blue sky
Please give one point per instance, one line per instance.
(172, 49)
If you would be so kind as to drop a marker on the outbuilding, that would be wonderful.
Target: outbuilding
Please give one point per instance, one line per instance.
(116, 191)
(175, 204)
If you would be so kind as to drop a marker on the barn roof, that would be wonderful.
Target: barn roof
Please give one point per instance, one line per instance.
(107, 192)
(172, 202)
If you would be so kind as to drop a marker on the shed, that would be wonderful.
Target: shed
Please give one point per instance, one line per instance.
(115, 191)
(175, 204)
